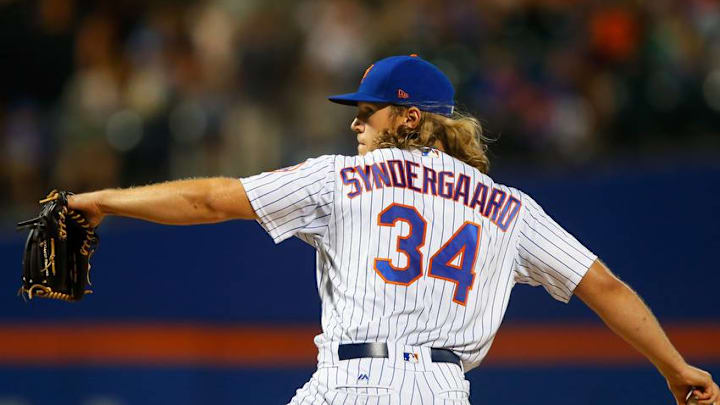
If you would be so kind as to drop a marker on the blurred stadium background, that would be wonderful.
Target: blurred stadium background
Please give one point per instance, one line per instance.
(607, 112)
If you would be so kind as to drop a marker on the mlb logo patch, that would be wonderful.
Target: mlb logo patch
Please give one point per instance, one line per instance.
(430, 152)
(411, 357)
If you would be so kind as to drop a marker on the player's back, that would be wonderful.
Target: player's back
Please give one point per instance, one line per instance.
(415, 247)
(416, 251)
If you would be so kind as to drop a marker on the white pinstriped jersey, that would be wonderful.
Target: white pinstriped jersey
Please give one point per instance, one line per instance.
(415, 247)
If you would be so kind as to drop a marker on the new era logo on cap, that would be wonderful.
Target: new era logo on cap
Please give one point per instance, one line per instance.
(404, 80)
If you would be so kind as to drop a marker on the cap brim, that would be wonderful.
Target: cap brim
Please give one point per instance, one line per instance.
(355, 98)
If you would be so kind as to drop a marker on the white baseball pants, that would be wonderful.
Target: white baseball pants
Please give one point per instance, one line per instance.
(407, 376)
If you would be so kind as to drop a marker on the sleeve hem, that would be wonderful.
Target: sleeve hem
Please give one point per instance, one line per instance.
(572, 288)
(267, 224)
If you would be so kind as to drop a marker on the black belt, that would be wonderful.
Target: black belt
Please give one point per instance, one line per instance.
(380, 350)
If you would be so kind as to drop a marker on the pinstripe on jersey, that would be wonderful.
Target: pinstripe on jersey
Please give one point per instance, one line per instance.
(333, 202)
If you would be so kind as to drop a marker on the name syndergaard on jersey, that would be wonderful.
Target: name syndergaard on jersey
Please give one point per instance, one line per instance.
(492, 203)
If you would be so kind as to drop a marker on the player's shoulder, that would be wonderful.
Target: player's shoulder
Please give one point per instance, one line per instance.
(528, 205)
(509, 191)
(526, 201)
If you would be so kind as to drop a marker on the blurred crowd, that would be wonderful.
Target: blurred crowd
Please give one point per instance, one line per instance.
(110, 93)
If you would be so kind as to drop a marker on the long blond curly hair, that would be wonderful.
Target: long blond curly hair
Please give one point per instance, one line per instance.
(461, 136)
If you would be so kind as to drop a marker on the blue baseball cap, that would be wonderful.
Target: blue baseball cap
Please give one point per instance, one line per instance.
(404, 80)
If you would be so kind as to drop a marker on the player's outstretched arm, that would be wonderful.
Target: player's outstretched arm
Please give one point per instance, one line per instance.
(180, 202)
(628, 316)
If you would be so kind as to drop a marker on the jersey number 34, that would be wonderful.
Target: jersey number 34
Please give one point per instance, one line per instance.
(454, 261)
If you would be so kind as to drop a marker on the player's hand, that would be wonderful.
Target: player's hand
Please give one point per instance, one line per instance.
(705, 389)
(89, 205)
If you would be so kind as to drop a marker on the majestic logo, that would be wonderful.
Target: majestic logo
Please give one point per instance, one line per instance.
(402, 94)
(363, 377)
(430, 152)
(366, 72)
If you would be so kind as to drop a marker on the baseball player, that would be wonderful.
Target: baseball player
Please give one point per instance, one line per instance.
(417, 248)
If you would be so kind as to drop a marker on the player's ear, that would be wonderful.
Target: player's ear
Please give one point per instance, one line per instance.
(412, 117)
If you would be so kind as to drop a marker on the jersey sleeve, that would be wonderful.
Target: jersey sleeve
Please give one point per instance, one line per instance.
(295, 201)
(548, 255)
